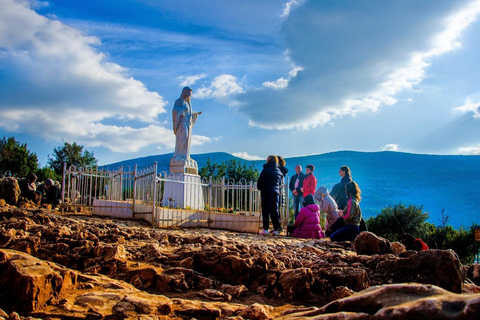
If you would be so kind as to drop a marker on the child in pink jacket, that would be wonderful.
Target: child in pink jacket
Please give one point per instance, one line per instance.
(307, 224)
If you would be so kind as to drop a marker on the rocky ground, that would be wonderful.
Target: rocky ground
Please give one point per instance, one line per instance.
(84, 267)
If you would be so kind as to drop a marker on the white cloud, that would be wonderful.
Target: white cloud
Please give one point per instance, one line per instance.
(355, 59)
(469, 106)
(390, 147)
(287, 7)
(282, 83)
(223, 87)
(73, 91)
(190, 80)
(246, 156)
(470, 150)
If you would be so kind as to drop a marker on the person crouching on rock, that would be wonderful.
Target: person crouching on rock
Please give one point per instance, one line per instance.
(269, 184)
(352, 215)
(28, 188)
(307, 224)
(53, 195)
(329, 206)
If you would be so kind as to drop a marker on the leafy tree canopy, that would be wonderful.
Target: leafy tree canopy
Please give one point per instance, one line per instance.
(47, 173)
(232, 169)
(73, 155)
(15, 159)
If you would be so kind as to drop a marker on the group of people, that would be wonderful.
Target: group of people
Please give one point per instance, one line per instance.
(343, 220)
(45, 193)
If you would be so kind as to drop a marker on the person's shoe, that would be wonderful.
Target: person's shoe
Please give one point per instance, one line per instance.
(264, 232)
(275, 233)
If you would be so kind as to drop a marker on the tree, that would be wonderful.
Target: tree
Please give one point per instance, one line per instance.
(73, 155)
(233, 169)
(15, 159)
(47, 173)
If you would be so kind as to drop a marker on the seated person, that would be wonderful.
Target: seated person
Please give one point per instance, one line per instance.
(53, 194)
(352, 215)
(28, 188)
(307, 224)
(329, 206)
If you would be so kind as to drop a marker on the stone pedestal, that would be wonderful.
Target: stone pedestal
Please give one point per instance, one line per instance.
(183, 188)
(178, 165)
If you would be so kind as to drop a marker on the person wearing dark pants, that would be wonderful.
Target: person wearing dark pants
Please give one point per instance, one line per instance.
(352, 215)
(295, 186)
(269, 184)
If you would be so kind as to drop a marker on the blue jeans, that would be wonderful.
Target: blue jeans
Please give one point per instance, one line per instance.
(347, 233)
(297, 204)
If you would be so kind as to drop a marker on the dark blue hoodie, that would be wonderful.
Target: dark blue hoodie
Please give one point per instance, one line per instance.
(270, 179)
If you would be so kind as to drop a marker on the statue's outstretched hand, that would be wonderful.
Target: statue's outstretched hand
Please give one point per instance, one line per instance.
(199, 112)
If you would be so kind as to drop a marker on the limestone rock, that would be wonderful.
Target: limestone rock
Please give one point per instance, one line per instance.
(9, 190)
(401, 301)
(445, 264)
(28, 283)
(398, 248)
(296, 283)
(473, 273)
(369, 243)
(256, 312)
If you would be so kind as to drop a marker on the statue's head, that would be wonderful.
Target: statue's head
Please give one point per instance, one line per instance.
(186, 93)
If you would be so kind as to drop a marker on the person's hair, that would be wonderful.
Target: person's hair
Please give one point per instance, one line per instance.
(347, 170)
(31, 177)
(308, 200)
(310, 166)
(353, 190)
(272, 158)
(281, 161)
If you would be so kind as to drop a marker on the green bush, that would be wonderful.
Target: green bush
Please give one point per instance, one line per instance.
(393, 221)
(396, 220)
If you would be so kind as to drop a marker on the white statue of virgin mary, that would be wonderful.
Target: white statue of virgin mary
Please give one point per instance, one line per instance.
(183, 119)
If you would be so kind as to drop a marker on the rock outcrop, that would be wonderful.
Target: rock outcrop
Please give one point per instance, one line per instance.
(86, 267)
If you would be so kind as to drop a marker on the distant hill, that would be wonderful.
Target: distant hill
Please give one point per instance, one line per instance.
(164, 160)
(386, 178)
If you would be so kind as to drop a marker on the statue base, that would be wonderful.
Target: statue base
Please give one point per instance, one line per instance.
(179, 165)
(184, 191)
(183, 187)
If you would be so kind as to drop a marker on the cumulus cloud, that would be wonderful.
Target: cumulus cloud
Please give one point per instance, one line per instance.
(223, 88)
(57, 85)
(190, 80)
(470, 150)
(282, 82)
(470, 106)
(246, 156)
(355, 58)
(390, 147)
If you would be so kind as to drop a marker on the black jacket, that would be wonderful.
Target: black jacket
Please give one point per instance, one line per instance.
(291, 185)
(270, 179)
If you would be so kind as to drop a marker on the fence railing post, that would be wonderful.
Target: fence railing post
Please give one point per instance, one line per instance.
(63, 187)
(134, 190)
(154, 191)
(210, 188)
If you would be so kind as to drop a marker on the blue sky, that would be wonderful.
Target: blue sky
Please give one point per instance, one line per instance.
(271, 77)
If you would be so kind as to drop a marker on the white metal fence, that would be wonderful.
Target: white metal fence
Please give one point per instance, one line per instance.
(163, 199)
